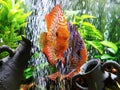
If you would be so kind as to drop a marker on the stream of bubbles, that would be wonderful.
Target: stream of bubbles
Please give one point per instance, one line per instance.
(36, 25)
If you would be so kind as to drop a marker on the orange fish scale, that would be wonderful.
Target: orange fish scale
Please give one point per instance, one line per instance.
(83, 56)
(49, 54)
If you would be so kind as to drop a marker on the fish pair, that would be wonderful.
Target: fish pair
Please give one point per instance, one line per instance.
(60, 37)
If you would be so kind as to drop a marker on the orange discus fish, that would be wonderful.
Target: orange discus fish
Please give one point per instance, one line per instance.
(75, 56)
(55, 41)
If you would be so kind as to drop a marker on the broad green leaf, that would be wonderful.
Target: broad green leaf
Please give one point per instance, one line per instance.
(82, 32)
(91, 30)
(98, 56)
(110, 45)
(111, 50)
(107, 56)
(96, 45)
(81, 18)
(77, 20)
(85, 16)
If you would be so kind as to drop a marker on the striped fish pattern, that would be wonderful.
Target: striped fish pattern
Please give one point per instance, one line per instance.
(55, 41)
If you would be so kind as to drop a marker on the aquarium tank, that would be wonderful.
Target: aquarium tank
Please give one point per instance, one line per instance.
(66, 34)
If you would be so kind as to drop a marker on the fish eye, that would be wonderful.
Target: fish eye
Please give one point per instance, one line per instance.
(78, 52)
(57, 34)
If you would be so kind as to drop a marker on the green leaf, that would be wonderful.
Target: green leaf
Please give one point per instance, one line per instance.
(111, 50)
(12, 21)
(68, 12)
(28, 76)
(98, 56)
(85, 16)
(28, 69)
(107, 56)
(13, 13)
(21, 18)
(4, 4)
(17, 38)
(77, 20)
(97, 45)
(28, 72)
(91, 30)
(3, 10)
(110, 45)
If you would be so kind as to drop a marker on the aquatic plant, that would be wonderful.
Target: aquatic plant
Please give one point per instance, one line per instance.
(104, 49)
(12, 23)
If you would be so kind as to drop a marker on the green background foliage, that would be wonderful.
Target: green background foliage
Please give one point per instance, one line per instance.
(12, 23)
(98, 23)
